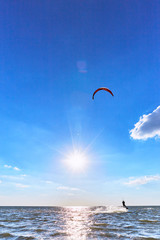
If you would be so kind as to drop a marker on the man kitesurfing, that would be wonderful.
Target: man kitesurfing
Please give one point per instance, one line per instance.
(124, 205)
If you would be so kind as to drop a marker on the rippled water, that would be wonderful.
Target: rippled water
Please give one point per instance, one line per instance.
(79, 223)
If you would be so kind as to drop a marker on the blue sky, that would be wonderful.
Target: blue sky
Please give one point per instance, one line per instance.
(54, 54)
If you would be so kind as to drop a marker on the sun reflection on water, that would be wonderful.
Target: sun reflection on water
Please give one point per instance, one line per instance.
(77, 222)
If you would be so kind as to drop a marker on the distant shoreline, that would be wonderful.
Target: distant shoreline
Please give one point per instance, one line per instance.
(81, 206)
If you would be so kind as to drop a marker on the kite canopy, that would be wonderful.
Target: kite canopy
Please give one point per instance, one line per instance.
(102, 88)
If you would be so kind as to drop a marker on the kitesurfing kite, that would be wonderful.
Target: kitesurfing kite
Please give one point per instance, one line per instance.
(102, 88)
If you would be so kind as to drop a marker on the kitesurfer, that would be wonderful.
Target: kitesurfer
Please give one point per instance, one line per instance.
(124, 205)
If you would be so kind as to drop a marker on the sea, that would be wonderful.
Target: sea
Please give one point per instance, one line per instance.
(80, 223)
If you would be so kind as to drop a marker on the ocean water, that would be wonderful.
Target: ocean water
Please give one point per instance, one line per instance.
(75, 223)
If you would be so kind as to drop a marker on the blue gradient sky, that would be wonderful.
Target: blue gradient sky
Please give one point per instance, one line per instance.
(54, 54)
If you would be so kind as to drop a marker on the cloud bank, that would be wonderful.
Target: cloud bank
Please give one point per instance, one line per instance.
(65, 188)
(148, 126)
(142, 180)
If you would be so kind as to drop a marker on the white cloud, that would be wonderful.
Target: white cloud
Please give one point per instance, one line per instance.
(0, 181)
(142, 180)
(71, 194)
(48, 182)
(11, 177)
(19, 185)
(7, 166)
(148, 126)
(16, 168)
(65, 188)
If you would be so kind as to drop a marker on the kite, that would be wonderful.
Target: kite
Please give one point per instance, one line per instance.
(102, 88)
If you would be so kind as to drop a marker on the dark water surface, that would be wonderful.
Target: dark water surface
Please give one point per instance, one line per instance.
(79, 223)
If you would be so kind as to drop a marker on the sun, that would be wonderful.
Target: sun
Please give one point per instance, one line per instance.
(77, 161)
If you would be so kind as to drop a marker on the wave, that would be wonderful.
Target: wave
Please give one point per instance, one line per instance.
(5, 235)
(57, 234)
(148, 221)
(25, 238)
(145, 238)
(40, 230)
(12, 220)
(110, 209)
(95, 229)
(1, 225)
(100, 224)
